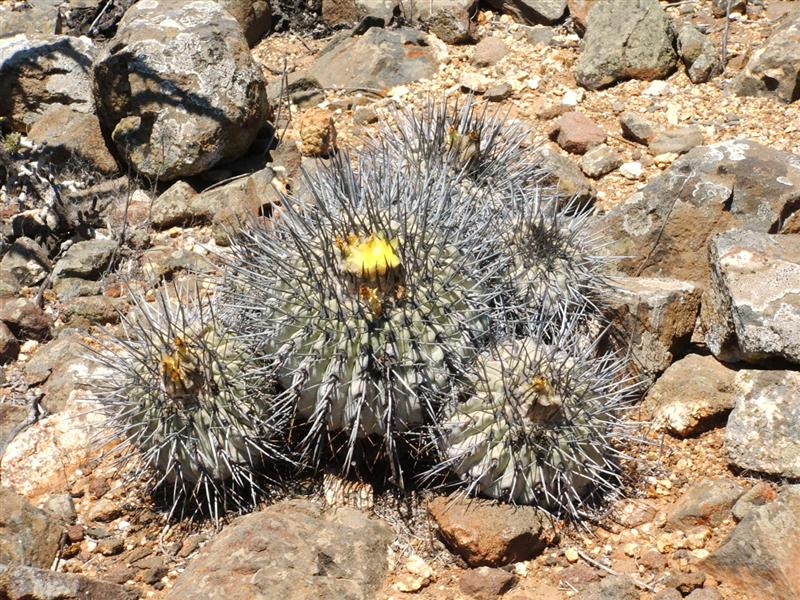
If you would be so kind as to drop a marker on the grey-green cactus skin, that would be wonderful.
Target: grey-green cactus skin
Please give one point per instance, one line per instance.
(185, 405)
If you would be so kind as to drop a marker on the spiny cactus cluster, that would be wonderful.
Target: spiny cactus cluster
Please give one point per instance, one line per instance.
(431, 308)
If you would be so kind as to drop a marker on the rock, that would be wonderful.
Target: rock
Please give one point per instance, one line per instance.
(692, 395)
(599, 161)
(774, 69)
(43, 457)
(632, 170)
(25, 263)
(177, 206)
(566, 177)
(763, 432)
(486, 583)
(699, 54)
(68, 288)
(104, 511)
(27, 583)
(660, 313)
(676, 141)
(33, 17)
(751, 310)
(760, 494)
(35, 73)
(254, 17)
(489, 51)
(364, 115)
(498, 93)
(532, 11)
(669, 593)
(759, 559)
(380, 58)
(449, 20)
(538, 34)
(11, 416)
(707, 502)
(28, 535)
(636, 128)
(24, 318)
(291, 550)
(615, 587)
(719, 8)
(625, 39)
(705, 594)
(94, 310)
(163, 262)
(685, 583)
(66, 133)
(577, 133)
(663, 228)
(300, 87)
(110, 546)
(487, 534)
(88, 259)
(474, 83)
(317, 133)
(579, 11)
(177, 90)
(61, 506)
(9, 346)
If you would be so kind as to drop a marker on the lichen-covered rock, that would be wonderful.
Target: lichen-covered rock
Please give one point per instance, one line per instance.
(664, 228)
(380, 58)
(759, 559)
(774, 69)
(751, 310)
(625, 39)
(177, 89)
(692, 394)
(292, 551)
(660, 315)
(38, 72)
(763, 432)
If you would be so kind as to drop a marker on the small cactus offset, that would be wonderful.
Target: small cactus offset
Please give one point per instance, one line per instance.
(185, 404)
(366, 305)
(542, 424)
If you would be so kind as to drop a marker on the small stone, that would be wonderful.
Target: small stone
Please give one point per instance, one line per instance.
(25, 263)
(486, 534)
(103, 511)
(577, 133)
(97, 488)
(476, 83)
(600, 161)
(61, 506)
(685, 582)
(705, 594)
(110, 546)
(760, 494)
(88, 259)
(719, 8)
(28, 535)
(364, 115)
(707, 502)
(486, 583)
(9, 346)
(632, 170)
(489, 51)
(658, 88)
(498, 93)
(653, 560)
(418, 575)
(571, 554)
(573, 97)
(678, 141)
(636, 128)
(75, 533)
(613, 587)
(317, 133)
(24, 319)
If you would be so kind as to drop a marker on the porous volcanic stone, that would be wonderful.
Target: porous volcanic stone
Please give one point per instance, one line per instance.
(177, 89)
(625, 39)
(763, 432)
(751, 310)
(291, 551)
(488, 534)
(664, 228)
(759, 559)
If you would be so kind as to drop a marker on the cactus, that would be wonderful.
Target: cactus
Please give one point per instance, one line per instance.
(366, 304)
(542, 424)
(183, 401)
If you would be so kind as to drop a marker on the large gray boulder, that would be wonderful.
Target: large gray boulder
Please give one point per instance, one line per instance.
(39, 72)
(774, 69)
(380, 58)
(177, 89)
(664, 228)
(625, 39)
(751, 309)
(759, 558)
(291, 551)
(763, 432)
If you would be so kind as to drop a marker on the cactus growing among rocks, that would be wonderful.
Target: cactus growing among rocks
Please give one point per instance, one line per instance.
(185, 404)
(542, 424)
